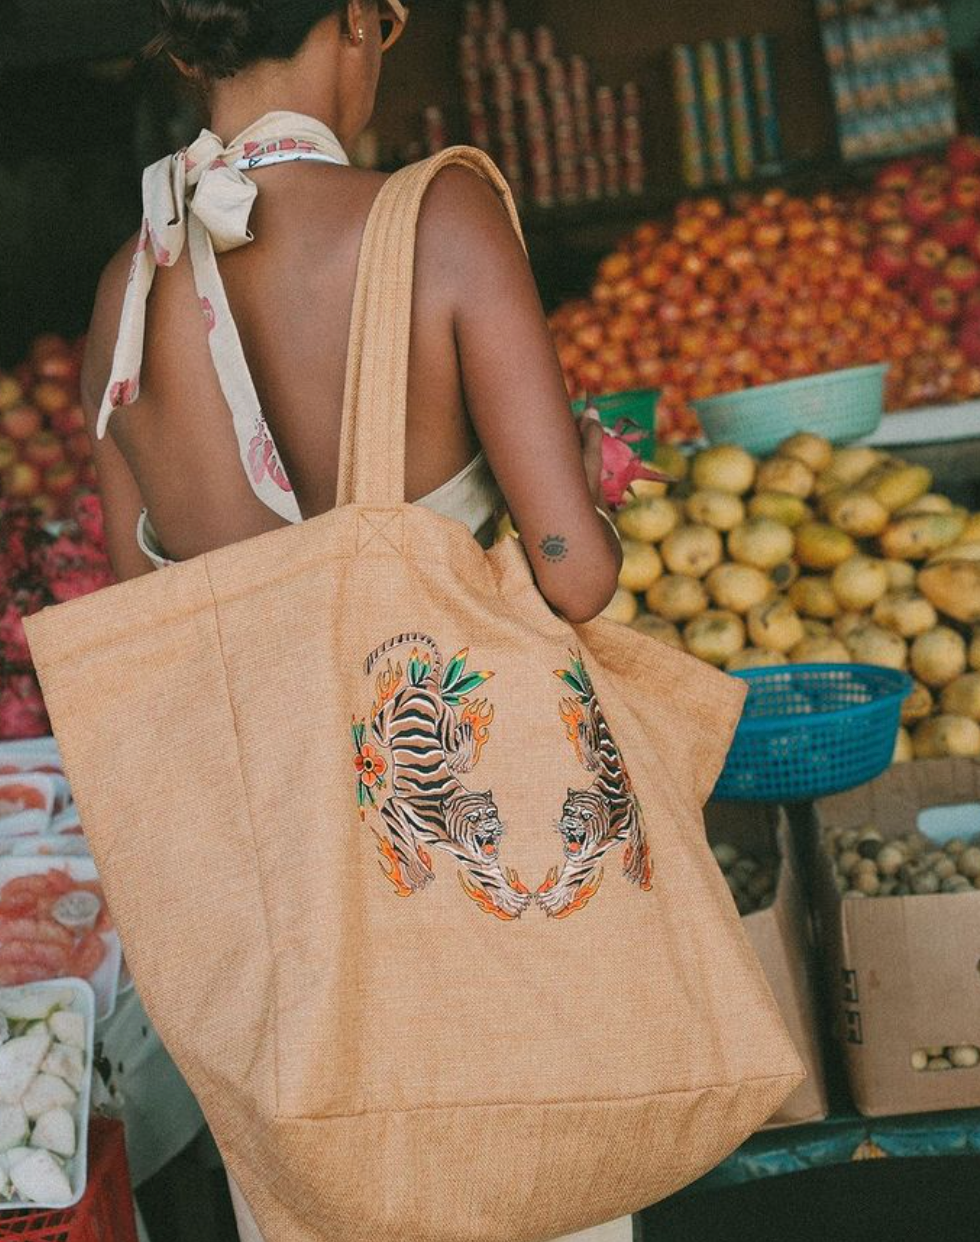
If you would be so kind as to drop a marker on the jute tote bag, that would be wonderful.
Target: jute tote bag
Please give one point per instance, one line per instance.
(411, 873)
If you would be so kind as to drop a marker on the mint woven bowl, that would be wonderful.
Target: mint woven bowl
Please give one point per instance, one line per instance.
(840, 405)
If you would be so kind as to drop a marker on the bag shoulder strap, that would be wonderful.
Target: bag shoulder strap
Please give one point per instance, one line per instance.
(372, 438)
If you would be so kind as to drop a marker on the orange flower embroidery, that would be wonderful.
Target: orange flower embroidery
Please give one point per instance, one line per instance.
(369, 765)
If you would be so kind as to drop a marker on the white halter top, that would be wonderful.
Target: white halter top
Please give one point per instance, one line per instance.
(200, 197)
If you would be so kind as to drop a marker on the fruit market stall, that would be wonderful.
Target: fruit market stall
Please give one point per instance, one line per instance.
(693, 275)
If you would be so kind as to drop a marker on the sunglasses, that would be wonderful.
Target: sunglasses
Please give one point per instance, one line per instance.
(394, 15)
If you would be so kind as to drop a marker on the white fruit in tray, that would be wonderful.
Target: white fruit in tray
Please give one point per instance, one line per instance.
(15, 1155)
(14, 1126)
(47, 1091)
(39, 1177)
(68, 1027)
(65, 1062)
(20, 1060)
(28, 1004)
(55, 1131)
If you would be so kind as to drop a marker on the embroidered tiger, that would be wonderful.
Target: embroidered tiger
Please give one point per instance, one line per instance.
(594, 820)
(415, 719)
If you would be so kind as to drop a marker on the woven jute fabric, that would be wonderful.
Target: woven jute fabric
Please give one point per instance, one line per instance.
(411, 873)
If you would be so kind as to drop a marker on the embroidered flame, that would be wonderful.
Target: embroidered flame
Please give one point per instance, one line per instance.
(479, 714)
(582, 899)
(573, 719)
(392, 873)
(550, 880)
(388, 683)
(483, 900)
(515, 881)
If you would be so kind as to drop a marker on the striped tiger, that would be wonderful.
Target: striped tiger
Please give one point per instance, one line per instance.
(428, 805)
(594, 820)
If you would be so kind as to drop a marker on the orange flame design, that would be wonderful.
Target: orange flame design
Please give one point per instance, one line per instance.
(573, 718)
(515, 881)
(483, 900)
(647, 881)
(480, 716)
(394, 872)
(550, 880)
(388, 682)
(585, 895)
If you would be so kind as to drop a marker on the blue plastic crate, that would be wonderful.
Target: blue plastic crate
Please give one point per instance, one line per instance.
(813, 729)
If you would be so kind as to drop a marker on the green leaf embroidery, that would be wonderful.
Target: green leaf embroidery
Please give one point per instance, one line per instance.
(454, 670)
(418, 669)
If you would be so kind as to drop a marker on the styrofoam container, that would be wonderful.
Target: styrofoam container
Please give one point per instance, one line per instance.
(77, 1166)
(35, 795)
(40, 756)
(105, 981)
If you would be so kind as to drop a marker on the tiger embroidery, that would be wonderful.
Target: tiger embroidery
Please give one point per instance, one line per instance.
(431, 744)
(594, 820)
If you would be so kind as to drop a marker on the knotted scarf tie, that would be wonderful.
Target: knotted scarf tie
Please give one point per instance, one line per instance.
(201, 197)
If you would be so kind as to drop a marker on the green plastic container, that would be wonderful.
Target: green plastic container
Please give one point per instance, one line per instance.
(639, 405)
(841, 405)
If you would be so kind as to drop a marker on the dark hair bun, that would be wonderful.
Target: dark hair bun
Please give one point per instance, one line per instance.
(215, 37)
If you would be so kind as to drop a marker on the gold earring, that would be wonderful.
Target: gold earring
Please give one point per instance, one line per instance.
(359, 36)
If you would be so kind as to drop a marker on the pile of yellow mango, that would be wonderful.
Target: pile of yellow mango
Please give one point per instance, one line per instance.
(815, 554)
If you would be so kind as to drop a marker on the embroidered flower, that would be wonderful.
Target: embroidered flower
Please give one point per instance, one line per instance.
(161, 254)
(207, 310)
(263, 459)
(369, 765)
(124, 392)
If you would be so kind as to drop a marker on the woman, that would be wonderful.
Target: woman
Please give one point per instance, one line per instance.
(194, 458)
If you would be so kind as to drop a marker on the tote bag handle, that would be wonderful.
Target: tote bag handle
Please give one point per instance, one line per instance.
(372, 438)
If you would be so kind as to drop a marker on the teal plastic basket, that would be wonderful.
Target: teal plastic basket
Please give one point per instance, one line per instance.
(840, 405)
(639, 405)
(813, 729)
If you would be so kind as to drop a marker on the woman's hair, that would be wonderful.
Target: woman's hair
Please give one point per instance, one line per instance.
(217, 38)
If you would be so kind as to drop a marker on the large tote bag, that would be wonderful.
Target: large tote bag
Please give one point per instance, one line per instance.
(411, 873)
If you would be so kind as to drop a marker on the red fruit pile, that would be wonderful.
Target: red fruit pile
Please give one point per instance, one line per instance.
(33, 944)
(925, 239)
(771, 287)
(45, 451)
(40, 565)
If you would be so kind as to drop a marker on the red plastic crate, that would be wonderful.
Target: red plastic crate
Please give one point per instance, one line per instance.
(105, 1213)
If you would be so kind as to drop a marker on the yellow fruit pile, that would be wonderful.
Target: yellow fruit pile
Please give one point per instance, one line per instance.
(814, 555)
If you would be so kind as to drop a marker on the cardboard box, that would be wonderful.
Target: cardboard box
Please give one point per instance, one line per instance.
(903, 970)
(779, 935)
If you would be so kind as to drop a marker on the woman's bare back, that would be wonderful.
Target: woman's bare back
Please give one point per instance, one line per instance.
(290, 292)
(482, 371)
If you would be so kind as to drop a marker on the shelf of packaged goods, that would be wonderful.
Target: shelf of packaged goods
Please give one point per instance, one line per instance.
(841, 1139)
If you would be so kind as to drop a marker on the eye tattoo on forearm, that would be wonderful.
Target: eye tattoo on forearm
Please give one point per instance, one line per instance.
(554, 547)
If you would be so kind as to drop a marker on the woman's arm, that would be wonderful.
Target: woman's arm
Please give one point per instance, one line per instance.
(547, 469)
(121, 502)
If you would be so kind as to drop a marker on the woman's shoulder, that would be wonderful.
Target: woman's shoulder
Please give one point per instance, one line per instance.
(464, 217)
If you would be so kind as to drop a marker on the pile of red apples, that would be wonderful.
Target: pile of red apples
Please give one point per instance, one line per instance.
(925, 221)
(45, 451)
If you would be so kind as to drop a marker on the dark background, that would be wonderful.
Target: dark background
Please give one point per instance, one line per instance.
(80, 116)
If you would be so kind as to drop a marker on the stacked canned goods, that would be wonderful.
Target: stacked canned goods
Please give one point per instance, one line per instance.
(557, 137)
